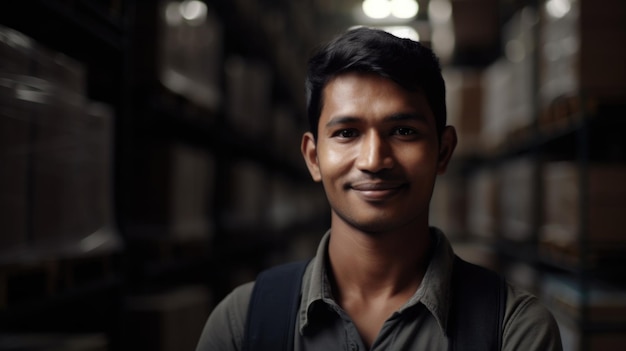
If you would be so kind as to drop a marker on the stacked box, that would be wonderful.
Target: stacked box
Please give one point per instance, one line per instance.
(290, 204)
(55, 155)
(98, 143)
(604, 210)
(190, 59)
(519, 47)
(54, 342)
(482, 203)
(59, 207)
(464, 103)
(167, 321)
(247, 201)
(16, 50)
(605, 306)
(192, 184)
(249, 87)
(581, 50)
(516, 199)
(448, 209)
(15, 129)
(497, 81)
(286, 134)
(508, 84)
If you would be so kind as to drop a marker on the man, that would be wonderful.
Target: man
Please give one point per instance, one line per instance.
(381, 276)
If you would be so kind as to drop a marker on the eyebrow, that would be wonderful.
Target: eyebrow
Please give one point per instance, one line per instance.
(397, 117)
(407, 117)
(342, 120)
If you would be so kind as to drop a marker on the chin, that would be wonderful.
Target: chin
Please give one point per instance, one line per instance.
(375, 227)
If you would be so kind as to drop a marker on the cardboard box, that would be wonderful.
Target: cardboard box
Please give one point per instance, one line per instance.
(482, 204)
(59, 208)
(604, 212)
(247, 201)
(15, 131)
(98, 142)
(190, 53)
(581, 51)
(464, 96)
(497, 80)
(54, 342)
(16, 50)
(605, 306)
(249, 96)
(167, 321)
(516, 198)
(191, 192)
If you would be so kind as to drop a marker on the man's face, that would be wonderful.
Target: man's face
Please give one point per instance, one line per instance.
(377, 153)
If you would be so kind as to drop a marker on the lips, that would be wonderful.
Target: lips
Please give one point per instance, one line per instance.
(377, 191)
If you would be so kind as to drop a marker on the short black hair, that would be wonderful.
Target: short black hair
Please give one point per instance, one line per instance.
(410, 64)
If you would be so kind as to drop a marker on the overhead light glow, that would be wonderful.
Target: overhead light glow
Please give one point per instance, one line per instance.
(404, 8)
(173, 16)
(403, 32)
(376, 9)
(443, 42)
(515, 51)
(193, 11)
(558, 8)
(439, 11)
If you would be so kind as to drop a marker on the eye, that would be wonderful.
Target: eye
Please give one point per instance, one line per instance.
(346, 133)
(404, 131)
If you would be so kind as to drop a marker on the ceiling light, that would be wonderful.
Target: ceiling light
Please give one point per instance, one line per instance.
(404, 8)
(376, 9)
(558, 8)
(403, 32)
(439, 11)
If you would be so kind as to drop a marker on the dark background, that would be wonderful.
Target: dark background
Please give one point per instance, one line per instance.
(149, 166)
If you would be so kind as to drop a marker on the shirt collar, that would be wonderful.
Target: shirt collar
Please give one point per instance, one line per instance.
(433, 293)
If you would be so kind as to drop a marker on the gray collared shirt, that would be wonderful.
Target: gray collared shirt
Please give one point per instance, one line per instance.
(418, 325)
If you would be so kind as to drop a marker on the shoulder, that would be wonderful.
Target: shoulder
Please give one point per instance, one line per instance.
(225, 327)
(528, 324)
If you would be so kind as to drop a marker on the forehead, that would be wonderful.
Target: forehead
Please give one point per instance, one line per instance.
(368, 94)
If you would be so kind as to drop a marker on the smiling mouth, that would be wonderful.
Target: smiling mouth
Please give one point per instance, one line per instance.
(377, 191)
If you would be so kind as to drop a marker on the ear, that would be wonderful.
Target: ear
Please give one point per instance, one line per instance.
(309, 152)
(447, 144)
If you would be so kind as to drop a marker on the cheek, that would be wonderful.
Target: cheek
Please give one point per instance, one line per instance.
(334, 160)
(418, 162)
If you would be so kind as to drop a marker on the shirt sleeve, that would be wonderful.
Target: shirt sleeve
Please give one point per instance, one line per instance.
(528, 325)
(224, 328)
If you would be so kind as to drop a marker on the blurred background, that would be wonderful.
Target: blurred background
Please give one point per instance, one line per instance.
(149, 157)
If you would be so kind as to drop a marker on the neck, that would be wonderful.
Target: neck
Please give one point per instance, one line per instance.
(378, 265)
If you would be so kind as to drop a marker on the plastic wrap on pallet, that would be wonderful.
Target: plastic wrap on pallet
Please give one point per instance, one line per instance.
(55, 156)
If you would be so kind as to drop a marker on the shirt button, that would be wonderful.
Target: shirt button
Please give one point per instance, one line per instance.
(354, 347)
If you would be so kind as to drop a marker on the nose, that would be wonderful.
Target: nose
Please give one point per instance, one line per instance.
(374, 154)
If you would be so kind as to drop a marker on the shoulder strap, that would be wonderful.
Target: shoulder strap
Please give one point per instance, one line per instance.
(478, 304)
(276, 294)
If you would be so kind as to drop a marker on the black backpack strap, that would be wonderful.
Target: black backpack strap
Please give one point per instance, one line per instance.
(478, 305)
(273, 308)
